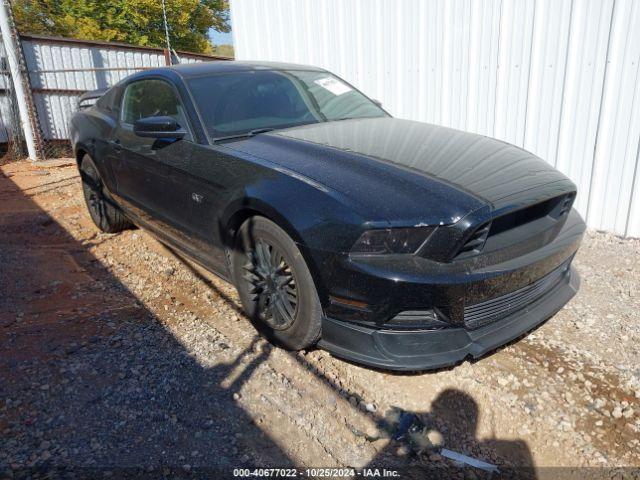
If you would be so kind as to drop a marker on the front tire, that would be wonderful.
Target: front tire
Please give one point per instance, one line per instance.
(275, 285)
(104, 213)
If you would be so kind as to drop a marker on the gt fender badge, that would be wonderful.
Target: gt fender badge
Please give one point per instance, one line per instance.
(196, 197)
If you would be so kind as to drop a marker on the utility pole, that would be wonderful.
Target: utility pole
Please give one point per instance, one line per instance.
(16, 76)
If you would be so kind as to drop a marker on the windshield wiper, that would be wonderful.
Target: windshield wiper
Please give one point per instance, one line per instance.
(355, 118)
(250, 133)
(261, 130)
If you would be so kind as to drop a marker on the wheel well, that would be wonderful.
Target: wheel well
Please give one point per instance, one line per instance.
(238, 218)
(234, 223)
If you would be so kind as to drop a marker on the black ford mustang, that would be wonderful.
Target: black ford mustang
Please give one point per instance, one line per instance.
(389, 242)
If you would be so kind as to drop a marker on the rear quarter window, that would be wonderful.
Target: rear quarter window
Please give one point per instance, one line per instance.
(108, 100)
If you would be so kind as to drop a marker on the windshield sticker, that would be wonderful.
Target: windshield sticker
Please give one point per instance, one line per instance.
(333, 85)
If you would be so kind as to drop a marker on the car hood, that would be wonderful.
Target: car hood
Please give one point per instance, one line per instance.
(412, 170)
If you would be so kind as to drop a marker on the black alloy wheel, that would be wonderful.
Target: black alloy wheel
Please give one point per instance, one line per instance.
(104, 213)
(275, 285)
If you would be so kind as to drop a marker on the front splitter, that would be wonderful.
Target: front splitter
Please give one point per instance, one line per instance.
(426, 350)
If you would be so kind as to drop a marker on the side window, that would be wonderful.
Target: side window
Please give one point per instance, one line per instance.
(151, 98)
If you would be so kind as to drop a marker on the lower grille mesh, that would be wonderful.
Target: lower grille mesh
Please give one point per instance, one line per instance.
(483, 313)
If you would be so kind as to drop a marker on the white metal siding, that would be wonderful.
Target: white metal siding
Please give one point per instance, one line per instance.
(559, 78)
(6, 126)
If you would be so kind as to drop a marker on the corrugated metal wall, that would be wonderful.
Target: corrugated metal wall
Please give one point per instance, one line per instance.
(558, 77)
(6, 118)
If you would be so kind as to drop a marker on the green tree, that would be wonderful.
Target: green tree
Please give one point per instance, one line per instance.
(138, 22)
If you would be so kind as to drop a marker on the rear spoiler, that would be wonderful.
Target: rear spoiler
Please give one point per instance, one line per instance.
(89, 99)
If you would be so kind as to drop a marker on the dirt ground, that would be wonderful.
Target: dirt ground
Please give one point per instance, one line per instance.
(118, 356)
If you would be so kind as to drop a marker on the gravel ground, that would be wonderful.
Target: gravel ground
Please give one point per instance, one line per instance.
(121, 358)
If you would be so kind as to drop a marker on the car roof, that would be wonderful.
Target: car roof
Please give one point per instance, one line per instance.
(203, 69)
(188, 70)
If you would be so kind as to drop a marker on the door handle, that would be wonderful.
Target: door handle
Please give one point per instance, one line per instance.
(116, 145)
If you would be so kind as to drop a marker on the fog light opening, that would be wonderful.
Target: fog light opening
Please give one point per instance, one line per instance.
(422, 319)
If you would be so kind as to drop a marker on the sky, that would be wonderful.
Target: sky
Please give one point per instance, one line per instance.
(219, 38)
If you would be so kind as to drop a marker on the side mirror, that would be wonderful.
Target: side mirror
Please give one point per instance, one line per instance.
(377, 102)
(158, 127)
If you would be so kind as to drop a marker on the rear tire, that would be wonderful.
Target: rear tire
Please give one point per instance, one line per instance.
(104, 213)
(275, 285)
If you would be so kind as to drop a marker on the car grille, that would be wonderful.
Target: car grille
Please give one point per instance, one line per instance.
(481, 238)
(483, 313)
(565, 205)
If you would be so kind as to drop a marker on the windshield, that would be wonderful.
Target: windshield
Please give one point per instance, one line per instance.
(242, 102)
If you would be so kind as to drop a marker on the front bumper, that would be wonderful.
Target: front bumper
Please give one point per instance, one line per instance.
(423, 350)
(377, 288)
(485, 301)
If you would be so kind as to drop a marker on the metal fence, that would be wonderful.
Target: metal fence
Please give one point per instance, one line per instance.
(58, 71)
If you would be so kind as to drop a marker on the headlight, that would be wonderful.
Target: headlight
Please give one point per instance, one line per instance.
(391, 240)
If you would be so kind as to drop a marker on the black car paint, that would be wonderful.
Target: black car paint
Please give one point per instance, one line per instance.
(325, 184)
